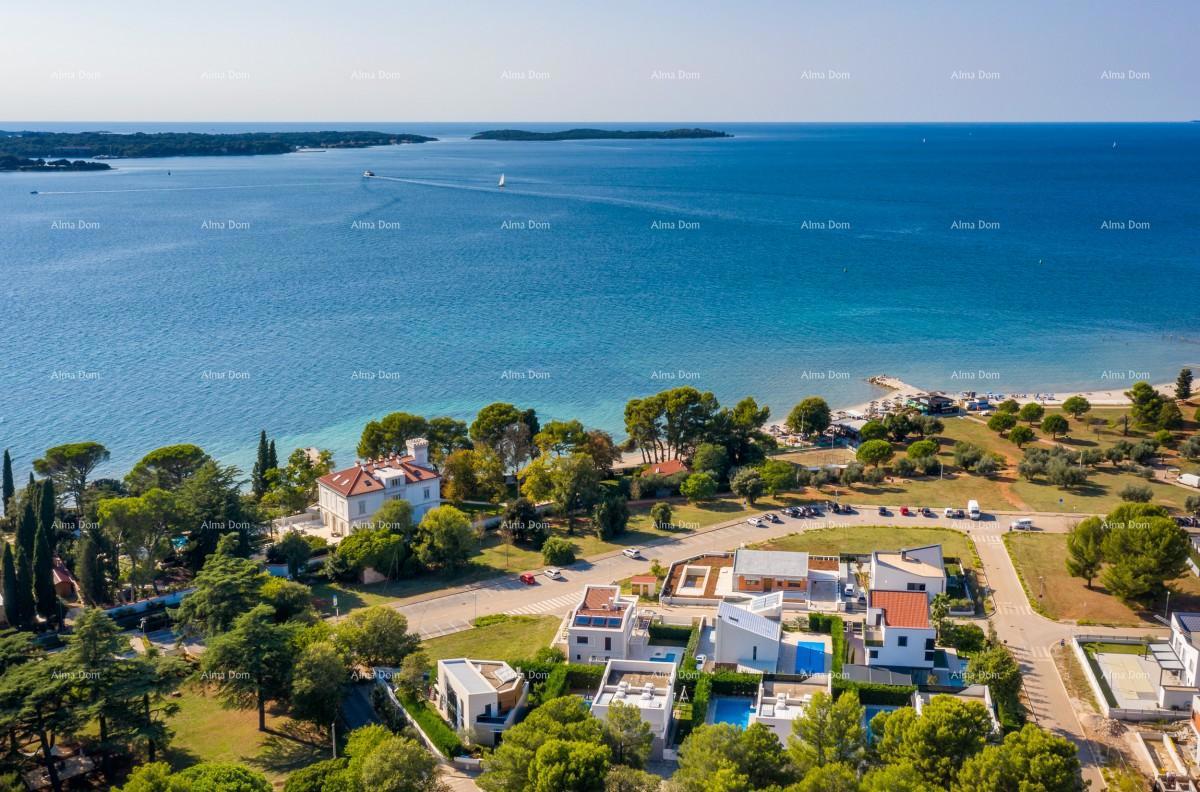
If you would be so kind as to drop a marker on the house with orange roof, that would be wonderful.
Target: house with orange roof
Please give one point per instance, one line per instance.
(351, 497)
(897, 631)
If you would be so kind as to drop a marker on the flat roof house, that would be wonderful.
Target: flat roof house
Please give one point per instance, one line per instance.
(749, 636)
(644, 684)
(913, 569)
(781, 700)
(480, 698)
(603, 626)
(897, 632)
(349, 498)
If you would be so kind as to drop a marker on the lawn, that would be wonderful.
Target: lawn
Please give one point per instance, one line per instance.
(1038, 559)
(207, 732)
(1098, 496)
(513, 638)
(817, 456)
(866, 538)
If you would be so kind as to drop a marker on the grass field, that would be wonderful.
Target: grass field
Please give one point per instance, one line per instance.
(207, 732)
(817, 456)
(866, 538)
(1038, 559)
(515, 638)
(1099, 496)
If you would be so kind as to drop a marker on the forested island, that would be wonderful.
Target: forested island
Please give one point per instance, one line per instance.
(10, 163)
(106, 145)
(600, 134)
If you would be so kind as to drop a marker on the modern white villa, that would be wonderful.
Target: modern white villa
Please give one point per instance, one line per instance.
(479, 698)
(915, 569)
(897, 631)
(645, 684)
(779, 702)
(602, 626)
(748, 636)
(349, 498)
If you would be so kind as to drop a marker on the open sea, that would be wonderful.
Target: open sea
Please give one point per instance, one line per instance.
(202, 299)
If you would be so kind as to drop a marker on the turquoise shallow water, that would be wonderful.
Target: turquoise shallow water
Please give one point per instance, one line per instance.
(289, 293)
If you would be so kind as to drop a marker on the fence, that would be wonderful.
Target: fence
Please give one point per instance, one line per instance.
(1102, 695)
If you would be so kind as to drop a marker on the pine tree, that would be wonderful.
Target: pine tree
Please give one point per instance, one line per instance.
(43, 576)
(258, 476)
(1183, 384)
(272, 457)
(90, 571)
(9, 489)
(23, 577)
(9, 573)
(48, 512)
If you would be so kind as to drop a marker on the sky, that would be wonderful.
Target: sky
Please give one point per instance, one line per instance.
(617, 60)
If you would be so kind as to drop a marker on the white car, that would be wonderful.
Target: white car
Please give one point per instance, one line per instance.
(631, 552)
(700, 661)
(1023, 524)
(757, 522)
(553, 573)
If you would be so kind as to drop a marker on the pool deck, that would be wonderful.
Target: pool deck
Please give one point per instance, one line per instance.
(787, 650)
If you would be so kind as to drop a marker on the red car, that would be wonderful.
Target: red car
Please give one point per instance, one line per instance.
(904, 511)
(528, 579)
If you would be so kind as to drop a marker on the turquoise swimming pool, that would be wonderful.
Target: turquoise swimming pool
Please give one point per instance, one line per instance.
(731, 709)
(810, 657)
(669, 657)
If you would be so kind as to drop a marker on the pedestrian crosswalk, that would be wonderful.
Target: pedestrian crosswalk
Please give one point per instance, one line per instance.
(1013, 609)
(988, 539)
(561, 602)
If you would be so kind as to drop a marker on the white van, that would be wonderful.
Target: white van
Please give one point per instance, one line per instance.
(973, 510)
(1023, 524)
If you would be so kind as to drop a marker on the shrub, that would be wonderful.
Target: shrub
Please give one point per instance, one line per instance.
(432, 724)
(734, 683)
(699, 487)
(669, 634)
(875, 692)
(700, 700)
(584, 677)
(967, 638)
(1136, 493)
(555, 684)
(558, 551)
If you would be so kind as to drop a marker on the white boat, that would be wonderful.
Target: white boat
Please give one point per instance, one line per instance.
(368, 174)
(501, 184)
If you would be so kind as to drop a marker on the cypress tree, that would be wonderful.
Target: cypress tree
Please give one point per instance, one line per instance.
(43, 577)
(1183, 384)
(23, 577)
(48, 511)
(272, 458)
(90, 571)
(8, 488)
(258, 481)
(9, 573)
(27, 529)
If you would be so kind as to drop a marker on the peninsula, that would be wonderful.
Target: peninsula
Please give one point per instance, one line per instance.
(600, 134)
(11, 163)
(105, 145)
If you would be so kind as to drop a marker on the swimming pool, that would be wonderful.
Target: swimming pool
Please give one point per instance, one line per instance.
(667, 657)
(810, 657)
(731, 709)
(870, 711)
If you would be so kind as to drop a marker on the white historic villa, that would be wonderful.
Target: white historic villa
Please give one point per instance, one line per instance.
(349, 498)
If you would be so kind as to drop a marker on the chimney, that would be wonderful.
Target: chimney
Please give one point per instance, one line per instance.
(418, 449)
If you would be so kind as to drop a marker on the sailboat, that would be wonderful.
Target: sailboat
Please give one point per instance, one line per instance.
(501, 184)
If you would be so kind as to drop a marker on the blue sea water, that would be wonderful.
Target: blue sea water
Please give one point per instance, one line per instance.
(288, 293)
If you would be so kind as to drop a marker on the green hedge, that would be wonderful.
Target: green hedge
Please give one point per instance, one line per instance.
(734, 683)
(554, 686)
(875, 692)
(432, 724)
(586, 677)
(670, 634)
(704, 687)
(693, 643)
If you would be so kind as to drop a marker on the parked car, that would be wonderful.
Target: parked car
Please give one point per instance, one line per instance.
(954, 514)
(927, 512)
(757, 522)
(631, 552)
(553, 573)
(528, 579)
(700, 661)
(883, 511)
(849, 591)
(773, 517)
(904, 511)
(1022, 524)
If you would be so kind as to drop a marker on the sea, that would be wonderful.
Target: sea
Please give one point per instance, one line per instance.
(202, 299)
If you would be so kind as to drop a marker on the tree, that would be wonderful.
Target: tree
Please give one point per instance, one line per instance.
(1169, 416)
(628, 735)
(899, 426)
(1055, 425)
(1001, 422)
(70, 466)
(901, 777)
(446, 435)
(401, 764)
(221, 777)
(627, 779)
(660, 513)
(1147, 403)
(258, 474)
(810, 416)
(1136, 493)
(1029, 759)
(376, 636)
(747, 484)
(557, 551)
(873, 430)
(710, 458)
(165, 468)
(1183, 384)
(8, 488)
(611, 515)
(522, 524)
(922, 449)
(568, 766)
(444, 538)
(47, 510)
(293, 487)
(995, 667)
(1085, 553)
(777, 476)
(571, 482)
(252, 663)
(43, 577)
(939, 611)
(568, 718)
(1076, 406)
(390, 435)
(967, 455)
(37, 698)
(1145, 553)
(26, 607)
(410, 679)
(154, 777)
(226, 588)
(296, 551)
(1020, 435)
(938, 741)
(603, 450)
(698, 487)
(317, 684)
(836, 777)
(720, 756)
(8, 575)
(560, 437)
(874, 452)
(1031, 412)
(828, 732)
(492, 421)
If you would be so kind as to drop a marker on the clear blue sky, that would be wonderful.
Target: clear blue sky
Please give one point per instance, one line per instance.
(267, 60)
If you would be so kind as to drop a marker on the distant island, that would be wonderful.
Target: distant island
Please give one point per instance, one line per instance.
(600, 134)
(106, 145)
(11, 163)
